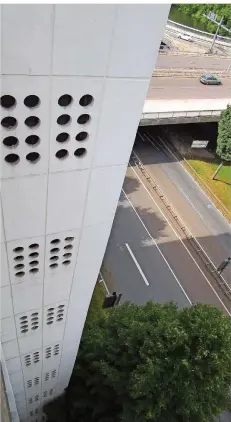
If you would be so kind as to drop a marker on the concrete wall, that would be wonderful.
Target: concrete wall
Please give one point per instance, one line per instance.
(59, 198)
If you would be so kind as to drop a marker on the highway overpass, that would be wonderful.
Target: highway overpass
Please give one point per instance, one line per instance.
(184, 100)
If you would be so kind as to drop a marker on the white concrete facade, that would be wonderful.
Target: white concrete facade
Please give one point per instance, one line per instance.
(64, 153)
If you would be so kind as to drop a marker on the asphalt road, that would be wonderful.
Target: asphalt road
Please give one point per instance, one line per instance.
(206, 64)
(171, 272)
(195, 208)
(177, 88)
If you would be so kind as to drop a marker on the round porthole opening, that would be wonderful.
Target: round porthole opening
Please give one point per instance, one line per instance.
(8, 101)
(86, 100)
(65, 100)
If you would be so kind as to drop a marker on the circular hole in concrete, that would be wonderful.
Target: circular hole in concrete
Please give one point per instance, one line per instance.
(65, 100)
(62, 137)
(64, 119)
(80, 152)
(12, 159)
(10, 142)
(9, 122)
(32, 101)
(61, 154)
(81, 136)
(32, 121)
(8, 101)
(83, 119)
(86, 100)
(32, 140)
(33, 157)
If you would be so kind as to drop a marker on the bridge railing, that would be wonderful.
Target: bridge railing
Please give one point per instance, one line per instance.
(158, 116)
(186, 73)
(174, 26)
(179, 26)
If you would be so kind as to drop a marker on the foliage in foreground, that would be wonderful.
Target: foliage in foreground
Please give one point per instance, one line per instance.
(224, 135)
(196, 11)
(153, 363)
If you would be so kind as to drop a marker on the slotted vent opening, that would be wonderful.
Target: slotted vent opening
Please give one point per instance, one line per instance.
(36, 381)
(47, 376)
(53, 373)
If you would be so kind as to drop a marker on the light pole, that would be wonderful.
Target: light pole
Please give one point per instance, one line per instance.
(212, 17)
(216, 33)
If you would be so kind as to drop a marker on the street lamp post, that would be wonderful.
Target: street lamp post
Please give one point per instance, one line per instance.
(213, 18)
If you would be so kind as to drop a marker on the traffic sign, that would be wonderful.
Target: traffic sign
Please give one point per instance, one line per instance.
(199, 144)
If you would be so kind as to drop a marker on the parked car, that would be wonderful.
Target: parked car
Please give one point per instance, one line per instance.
(209, 79)
(185, 37)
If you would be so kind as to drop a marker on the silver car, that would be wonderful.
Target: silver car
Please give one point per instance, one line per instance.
(209, 79)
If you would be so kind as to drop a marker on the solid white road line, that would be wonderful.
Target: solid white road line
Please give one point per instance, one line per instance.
(191, 203)
(154, 242)
(214, 291)
(137, 264)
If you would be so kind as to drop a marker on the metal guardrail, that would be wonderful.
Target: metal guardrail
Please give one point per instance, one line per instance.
(188, 73)
(188, 235)
(165, 52)
(201, 34)
(172, 114)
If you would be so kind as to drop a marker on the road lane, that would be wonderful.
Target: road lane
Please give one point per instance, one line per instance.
(208, 64)
(178, 88)
(203, 219)
(125, 230)
(122, 273)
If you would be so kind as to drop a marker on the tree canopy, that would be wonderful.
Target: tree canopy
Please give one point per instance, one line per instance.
(224, 135)
(196, 12)
(153, 363)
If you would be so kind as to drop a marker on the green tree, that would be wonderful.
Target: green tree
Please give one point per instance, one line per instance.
(196, 11)
(224, 138)
(153, 363)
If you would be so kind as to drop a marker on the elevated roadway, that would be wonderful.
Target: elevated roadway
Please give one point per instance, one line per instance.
(174, 100)
(187, 88)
